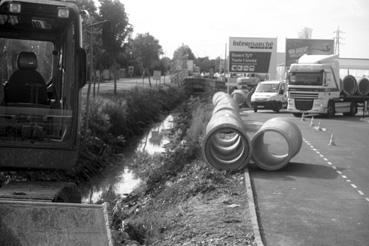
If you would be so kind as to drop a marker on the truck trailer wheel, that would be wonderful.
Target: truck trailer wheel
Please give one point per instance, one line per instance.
(297, 114)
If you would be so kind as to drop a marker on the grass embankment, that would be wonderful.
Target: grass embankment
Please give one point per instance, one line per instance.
(115, 120)
(182, 200)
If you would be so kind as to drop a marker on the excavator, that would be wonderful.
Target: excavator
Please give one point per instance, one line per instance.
(42, 72)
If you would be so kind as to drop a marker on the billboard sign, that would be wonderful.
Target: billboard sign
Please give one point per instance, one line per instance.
(295, 48)
(252, 55)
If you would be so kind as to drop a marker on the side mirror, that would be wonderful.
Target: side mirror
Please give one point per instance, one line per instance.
(81, 65)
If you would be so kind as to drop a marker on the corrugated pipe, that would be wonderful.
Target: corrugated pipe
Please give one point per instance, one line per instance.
(264, 154)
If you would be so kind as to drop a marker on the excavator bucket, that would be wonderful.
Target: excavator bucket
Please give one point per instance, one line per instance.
(53, 224)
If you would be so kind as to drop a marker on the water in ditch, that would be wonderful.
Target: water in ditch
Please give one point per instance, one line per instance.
(120, 180)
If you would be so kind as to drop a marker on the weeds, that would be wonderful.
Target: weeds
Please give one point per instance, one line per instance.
(114, 120)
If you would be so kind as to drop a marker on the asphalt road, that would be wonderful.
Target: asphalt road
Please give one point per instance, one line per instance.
(322, 196)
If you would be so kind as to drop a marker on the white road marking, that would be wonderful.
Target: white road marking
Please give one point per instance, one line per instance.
(335, 168)
(360, 192)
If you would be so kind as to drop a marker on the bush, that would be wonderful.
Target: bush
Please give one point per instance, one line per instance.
(114, 120)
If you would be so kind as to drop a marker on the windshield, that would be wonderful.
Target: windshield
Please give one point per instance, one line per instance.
(307, 78)
(35, 91)
(267, 88)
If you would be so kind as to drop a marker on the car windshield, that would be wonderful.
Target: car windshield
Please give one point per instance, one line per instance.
(306, 78)
(267, 88)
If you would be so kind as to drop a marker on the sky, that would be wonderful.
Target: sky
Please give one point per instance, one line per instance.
(206, 25)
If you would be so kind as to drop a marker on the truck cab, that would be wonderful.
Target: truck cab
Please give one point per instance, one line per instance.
(270, 94)
(314, 87)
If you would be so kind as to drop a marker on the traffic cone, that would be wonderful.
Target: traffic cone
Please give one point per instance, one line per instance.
(318, 126)
(312, 121)
(303, 117)
(331, 141)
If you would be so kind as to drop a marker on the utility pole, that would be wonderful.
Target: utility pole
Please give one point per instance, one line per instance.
(337, 41)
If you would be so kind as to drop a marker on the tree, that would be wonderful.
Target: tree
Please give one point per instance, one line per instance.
(305, 33)
(115, 33)
(146, 51)
(181, 55)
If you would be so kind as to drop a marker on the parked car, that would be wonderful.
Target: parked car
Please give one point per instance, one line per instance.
(270, 94)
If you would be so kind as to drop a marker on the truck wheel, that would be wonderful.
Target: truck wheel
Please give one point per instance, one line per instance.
(297, 114)
(330, 109)
(255, 109)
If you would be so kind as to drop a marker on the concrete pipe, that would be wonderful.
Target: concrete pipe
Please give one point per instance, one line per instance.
(275, 143)
(222, 100)
(226, 104)
(363, 86)
(226, 145)
(239, 96)
(218, 96)
(349, 85)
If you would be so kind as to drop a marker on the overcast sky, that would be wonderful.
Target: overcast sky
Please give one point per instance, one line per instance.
(206, 25)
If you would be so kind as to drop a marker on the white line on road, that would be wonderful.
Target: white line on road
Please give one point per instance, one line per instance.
(335, 168)
(360, 192)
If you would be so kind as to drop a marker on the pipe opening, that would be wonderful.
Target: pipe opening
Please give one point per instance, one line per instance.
(271, 150)
(227, 148)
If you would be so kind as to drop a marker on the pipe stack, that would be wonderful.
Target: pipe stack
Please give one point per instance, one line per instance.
(363, 86)
(349, 85)
(226, 145)
(239, 96)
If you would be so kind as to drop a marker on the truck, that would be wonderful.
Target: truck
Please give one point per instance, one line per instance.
(269, 94)
(315, 88)
(42, 72)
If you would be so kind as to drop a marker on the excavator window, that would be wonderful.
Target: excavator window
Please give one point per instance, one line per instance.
(38, 85)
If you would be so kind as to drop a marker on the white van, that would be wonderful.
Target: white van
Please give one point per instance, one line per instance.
(270, 94)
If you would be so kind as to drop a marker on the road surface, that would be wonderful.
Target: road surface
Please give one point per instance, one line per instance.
(322, 196)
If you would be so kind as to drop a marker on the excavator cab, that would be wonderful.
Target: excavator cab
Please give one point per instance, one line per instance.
(42, 69)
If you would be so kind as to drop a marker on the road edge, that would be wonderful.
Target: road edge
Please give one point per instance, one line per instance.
(252, 209)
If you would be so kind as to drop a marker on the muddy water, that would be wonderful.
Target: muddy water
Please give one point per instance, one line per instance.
(120, 180)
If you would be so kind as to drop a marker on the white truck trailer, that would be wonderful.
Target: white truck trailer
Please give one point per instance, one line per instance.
(314, 87)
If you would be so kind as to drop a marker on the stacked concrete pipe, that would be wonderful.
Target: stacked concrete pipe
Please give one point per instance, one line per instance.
(239, 96)
(363, 86)
(227, 147)
(349, 85)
